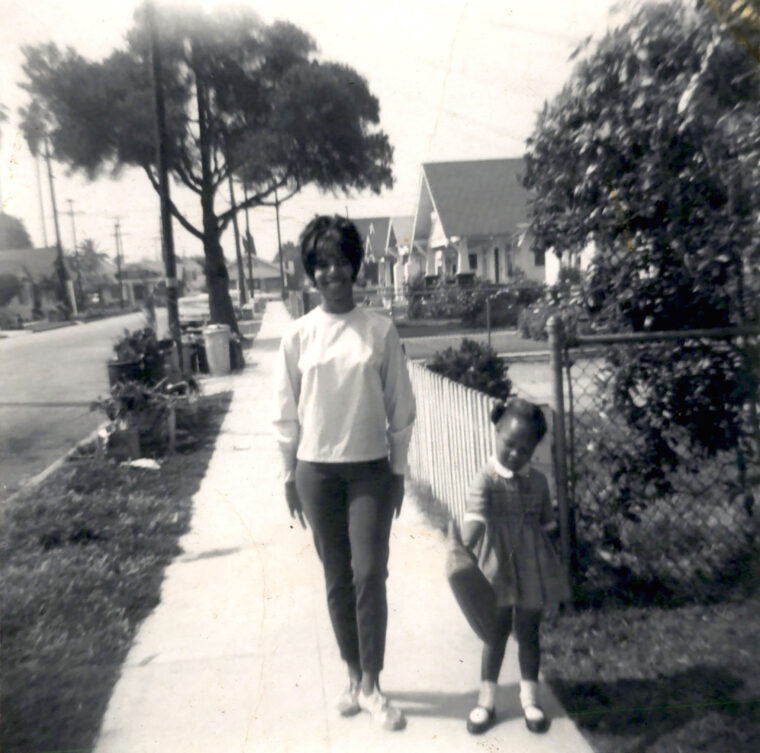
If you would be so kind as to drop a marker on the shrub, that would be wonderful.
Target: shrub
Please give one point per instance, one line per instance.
(532, 321)
(468, 302)
(10, 320)
(474, 365)
(10, 287)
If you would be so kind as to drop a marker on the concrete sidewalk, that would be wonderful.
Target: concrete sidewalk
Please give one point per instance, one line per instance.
(240, 656)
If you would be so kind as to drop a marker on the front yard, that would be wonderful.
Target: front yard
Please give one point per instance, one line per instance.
(659, 680)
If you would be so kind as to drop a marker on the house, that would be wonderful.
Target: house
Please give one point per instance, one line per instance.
(292, 266)
(386, 249)
(471, 220)
(266, 275)
(35, 270)
(191, 275)
(411, 258)
(141, 279)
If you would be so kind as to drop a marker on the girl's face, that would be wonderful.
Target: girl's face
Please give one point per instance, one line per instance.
(334, 278)
(515, 442)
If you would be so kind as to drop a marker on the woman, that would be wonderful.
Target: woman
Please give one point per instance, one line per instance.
(345, 411)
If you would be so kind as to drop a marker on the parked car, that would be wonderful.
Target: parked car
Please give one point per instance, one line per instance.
(194, 310)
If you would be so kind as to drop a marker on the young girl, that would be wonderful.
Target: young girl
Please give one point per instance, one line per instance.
(506, 521)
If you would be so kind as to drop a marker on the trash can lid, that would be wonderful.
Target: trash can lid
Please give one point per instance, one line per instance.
(216, 328)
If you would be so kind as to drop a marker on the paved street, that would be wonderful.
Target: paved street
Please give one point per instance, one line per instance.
(47, 381)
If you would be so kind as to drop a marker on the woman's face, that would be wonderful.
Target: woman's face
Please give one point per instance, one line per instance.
(334, 278)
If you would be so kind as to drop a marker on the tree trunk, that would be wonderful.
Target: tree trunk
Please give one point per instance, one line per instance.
(217, 279)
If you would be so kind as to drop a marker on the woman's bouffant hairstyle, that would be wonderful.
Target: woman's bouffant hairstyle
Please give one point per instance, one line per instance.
(331, 232)
(522, 410)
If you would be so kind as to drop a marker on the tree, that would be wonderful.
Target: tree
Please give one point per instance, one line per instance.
(10, 287)
(13, 234)
(651, 153)
(242, 98)
(741, 19)
(94, 268)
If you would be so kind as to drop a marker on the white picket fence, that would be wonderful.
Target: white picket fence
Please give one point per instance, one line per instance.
(453, 437)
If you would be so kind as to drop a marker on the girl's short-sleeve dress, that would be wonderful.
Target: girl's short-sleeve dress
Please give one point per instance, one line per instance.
(515, 553)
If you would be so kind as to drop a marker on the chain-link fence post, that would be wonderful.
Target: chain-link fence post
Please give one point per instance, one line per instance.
(556, 337)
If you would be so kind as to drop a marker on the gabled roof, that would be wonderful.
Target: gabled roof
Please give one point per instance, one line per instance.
(260, 267)
(375, 232)
(477, 197)
(142, 270)
(24, 263)
(402, 227)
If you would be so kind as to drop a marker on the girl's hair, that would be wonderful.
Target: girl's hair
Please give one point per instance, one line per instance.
(522, 410)
(331, 232)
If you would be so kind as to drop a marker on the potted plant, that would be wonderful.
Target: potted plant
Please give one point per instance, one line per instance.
(138, 414)
(137, 356)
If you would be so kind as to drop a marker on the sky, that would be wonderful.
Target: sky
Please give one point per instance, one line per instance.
(456, 80)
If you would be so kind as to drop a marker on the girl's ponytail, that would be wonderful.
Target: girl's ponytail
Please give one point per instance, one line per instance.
(497, 412)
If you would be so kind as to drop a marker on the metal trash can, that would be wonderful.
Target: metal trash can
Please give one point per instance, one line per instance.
(216, 338)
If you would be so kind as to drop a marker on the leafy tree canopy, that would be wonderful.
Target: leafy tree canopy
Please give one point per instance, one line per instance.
(92, 266)
(651, 153)
(242, 98)
(13, 234)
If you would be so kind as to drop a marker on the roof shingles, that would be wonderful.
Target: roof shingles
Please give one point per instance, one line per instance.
(478, 197)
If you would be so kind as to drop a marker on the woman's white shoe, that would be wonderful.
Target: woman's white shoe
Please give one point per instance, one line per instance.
(382, 711)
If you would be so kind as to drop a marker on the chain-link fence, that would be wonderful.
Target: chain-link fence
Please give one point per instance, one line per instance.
(662, 456)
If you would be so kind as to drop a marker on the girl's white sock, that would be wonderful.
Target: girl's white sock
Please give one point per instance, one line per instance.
(529, 700)
(487, 696)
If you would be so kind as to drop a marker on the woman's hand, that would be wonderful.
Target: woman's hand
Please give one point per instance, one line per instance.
(294, 502)
(397, 491)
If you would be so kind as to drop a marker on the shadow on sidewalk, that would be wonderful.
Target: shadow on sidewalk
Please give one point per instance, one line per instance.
(434, 703)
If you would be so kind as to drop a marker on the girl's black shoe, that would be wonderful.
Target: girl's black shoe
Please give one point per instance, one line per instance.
(480, 720)
(535, 719)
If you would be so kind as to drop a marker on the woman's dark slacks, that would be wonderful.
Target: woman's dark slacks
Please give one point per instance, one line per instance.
(350, 512)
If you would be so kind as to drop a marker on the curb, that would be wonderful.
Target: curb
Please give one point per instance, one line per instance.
(54, 466)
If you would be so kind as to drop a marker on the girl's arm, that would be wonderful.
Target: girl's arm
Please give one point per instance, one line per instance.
(472, 530)
(548, 518)
(476, 510)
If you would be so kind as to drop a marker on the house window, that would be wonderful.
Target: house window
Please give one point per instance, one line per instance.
(496, 264)
(473, 259)
(540, 258)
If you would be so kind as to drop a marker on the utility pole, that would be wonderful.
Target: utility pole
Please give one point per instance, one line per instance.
(118, 262)
(39, 196)
(170, 264)
(238, 254)
(248, 243)
(279, 242)
(76, 248)
(66, 300)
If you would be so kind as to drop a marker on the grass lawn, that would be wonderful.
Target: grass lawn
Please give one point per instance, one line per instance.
(81, 563)
(658, 680)
(422, 338)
